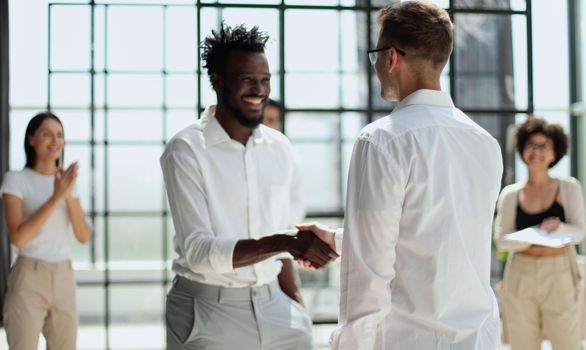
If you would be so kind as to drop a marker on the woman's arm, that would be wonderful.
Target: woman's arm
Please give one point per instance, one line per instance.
(21, 232)
(81, 227)
(574, 208)
(505, 220)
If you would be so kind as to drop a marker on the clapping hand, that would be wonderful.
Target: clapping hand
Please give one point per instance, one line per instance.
(65, 181)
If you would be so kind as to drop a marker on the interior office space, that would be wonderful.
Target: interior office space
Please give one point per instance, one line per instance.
(125, 75)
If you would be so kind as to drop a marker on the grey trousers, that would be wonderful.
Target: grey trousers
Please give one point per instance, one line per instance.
(206, 317)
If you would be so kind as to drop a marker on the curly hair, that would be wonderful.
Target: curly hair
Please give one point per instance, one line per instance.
(554, 132)
(226, 40)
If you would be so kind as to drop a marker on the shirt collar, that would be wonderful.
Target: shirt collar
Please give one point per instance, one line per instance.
(426, 97)
(215, 134)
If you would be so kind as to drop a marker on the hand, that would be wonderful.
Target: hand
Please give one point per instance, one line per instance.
(309, 248)
(65, 181)
(321, 231)
(550, 224)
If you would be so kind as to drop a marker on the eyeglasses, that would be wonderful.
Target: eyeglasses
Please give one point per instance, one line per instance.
(539, 146)
(372, 53)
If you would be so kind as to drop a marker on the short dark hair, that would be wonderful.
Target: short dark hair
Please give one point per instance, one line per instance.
(421, 29)
(33, 125)
(554, 132)
(226, 40)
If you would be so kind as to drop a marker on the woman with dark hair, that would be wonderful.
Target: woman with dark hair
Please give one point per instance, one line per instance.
(41, 203)
(541, 285)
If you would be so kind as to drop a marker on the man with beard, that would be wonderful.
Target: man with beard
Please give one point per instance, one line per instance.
(229, 184)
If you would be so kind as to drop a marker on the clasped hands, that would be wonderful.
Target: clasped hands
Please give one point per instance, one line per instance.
(314, 246)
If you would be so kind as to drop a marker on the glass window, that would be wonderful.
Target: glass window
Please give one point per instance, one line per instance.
(149, 84)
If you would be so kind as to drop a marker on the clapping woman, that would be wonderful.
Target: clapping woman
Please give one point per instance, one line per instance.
(41, 203)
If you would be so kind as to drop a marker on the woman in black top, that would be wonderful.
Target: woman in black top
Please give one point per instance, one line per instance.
(541, 284)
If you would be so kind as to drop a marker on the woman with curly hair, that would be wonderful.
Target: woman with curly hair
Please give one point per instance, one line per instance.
(541, 284)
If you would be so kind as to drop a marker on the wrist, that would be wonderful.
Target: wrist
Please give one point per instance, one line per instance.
(56, 198)
(279, 243)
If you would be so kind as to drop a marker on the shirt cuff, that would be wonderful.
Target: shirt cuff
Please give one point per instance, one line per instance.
(283, 256)
(338, 236)
(221, 254)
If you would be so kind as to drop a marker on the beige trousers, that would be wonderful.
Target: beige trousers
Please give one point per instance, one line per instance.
(540, 297)
(41, 298)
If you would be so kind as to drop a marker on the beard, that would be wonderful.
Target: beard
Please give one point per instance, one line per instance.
(242, 119)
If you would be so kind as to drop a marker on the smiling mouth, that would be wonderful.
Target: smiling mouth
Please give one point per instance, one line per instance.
(254, 102)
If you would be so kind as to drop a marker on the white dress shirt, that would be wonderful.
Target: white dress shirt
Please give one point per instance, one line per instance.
(422, 189)
(221, 191)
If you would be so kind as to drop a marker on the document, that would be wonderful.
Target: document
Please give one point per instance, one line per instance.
(534, 235)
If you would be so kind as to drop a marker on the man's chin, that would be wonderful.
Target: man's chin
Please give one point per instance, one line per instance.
(250, 121)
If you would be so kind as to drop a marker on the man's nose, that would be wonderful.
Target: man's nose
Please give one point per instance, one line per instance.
(258, 87)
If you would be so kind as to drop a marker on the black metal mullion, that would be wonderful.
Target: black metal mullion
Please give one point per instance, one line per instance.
(92, 131)
(299, 7)
(530, 105)
(198, 7)
(164, 217)
(106, 185)
(282, 65)
(369, 81)
(339, 131)
(452, 64)
(49, 58)
(574, 48)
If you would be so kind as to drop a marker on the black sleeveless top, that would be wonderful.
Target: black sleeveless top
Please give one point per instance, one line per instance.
(524, 220)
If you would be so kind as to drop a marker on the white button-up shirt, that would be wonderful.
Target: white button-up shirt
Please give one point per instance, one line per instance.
(220, 192)
(422, 189)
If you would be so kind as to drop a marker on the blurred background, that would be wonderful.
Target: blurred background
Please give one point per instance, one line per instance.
(125, 75)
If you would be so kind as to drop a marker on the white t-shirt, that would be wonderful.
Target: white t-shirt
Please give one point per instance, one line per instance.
(52, 242)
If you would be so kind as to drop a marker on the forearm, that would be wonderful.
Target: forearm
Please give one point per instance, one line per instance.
(289, 281)
(31, 227)
(81, 228)
(252, 251)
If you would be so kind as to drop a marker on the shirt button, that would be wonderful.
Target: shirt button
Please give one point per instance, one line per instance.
(254, 293)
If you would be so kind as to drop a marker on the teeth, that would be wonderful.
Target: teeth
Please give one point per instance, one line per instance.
(252, 100)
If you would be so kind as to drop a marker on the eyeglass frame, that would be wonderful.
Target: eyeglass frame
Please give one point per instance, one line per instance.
(372, 57)
(543, 147)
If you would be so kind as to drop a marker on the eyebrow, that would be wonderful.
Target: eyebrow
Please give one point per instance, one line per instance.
(253, 73)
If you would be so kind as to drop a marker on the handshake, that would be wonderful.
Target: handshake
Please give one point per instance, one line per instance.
(313, 246)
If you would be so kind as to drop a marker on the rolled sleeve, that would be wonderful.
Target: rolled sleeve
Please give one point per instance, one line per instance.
(221, 254)
(203, 249)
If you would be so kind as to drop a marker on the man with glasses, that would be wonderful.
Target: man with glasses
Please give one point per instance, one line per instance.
(422, 190)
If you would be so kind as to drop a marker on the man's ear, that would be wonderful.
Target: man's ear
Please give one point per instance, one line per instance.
(217, 82)
(393, 56)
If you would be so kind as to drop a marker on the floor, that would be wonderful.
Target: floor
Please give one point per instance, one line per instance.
(151, 337)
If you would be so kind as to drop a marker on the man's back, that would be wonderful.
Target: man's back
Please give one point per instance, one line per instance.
(421, 197)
